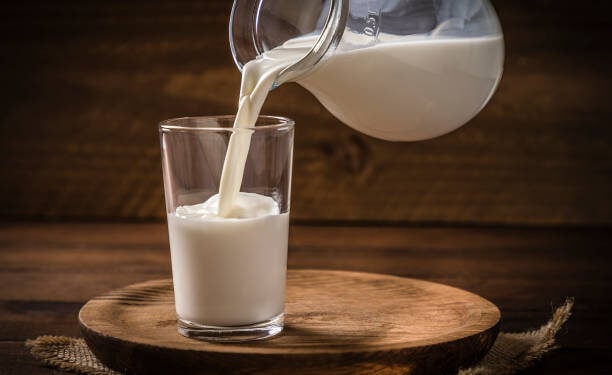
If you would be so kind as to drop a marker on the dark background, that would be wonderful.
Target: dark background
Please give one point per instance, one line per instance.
(84, 84)
(515, 206)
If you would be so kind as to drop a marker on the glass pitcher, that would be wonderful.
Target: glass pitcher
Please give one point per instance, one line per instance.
(400, 70)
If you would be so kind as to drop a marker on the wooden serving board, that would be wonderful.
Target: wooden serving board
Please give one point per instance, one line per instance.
(336, 322)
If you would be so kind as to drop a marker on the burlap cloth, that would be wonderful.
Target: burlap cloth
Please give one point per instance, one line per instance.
(511, 352)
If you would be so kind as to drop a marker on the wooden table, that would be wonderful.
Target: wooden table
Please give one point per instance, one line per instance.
(47, 271)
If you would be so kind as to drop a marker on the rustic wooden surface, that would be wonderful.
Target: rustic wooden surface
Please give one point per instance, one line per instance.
(336, 322)
(49, 270)
(85, 83)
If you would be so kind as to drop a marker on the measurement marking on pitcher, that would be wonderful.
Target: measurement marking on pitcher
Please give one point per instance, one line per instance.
(371, 24)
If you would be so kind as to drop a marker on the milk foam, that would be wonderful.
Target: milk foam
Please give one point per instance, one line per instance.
(246, 205)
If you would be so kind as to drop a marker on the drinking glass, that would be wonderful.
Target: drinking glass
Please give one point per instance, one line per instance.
(228, 273)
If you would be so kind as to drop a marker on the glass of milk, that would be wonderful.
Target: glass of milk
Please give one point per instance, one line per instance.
(228, 271)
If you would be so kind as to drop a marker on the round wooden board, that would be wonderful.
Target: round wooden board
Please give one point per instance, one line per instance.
(336, 322)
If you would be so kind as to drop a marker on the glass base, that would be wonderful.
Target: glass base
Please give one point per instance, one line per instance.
(257, 331)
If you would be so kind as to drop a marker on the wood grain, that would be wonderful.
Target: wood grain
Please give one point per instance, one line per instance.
(49, 270)
(85, 83)
(335, 321)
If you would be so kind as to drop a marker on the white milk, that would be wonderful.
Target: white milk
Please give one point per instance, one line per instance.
(408, 88)
(229, 271)
(257, 79)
